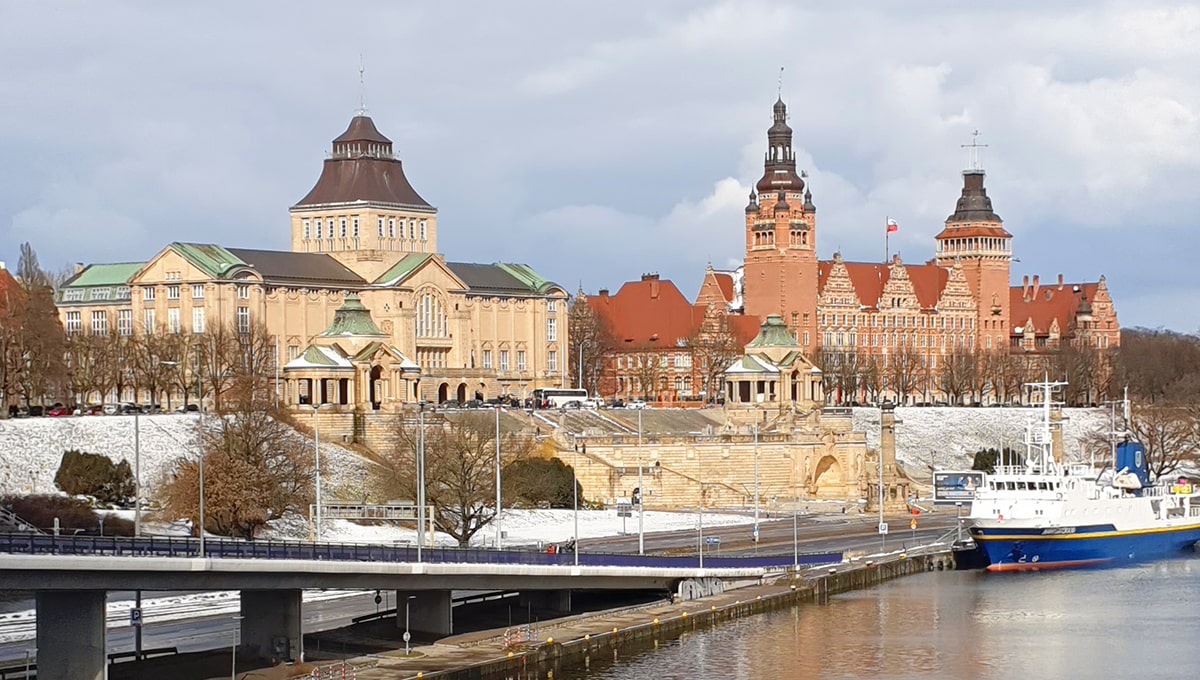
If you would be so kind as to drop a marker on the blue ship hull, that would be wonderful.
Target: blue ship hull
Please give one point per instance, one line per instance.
(1020, 549)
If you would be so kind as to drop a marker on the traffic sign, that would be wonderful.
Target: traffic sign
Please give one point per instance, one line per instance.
(406, 636)
(912, 523)
(135, 616)
(883, 528)
(624, 510)
(712, 540)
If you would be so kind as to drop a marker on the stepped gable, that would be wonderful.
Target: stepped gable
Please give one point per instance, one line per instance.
(870, 279)
(363, 168)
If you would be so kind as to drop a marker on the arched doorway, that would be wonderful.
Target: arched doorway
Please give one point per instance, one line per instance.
(443, 392)
(376, 374)
(828, 478)
(462, 392)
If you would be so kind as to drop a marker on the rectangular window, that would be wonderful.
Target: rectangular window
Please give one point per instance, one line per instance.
(354, 226)
(173, 320)
(99, 322)
(198, 320)
(805, 337)
(72, 295)
(503, 360)
(520, 360)
(101, 293)
(243, 291)
(73, 323)
(552, 361)
(487, 358)
(293, 352)
(121, 292)
(148, 320)
(307, 228)
(379, 226)
(197, 291)
(173, 292)
(343, 227)
(551, 306)
(124, 322)
(422, 230)
(412, 229)
(243, 320)
(551, 329)
(317, 228)
(391, 232)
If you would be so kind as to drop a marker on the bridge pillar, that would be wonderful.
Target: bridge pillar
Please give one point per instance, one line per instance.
(71, 642)
(429, 611)
(551, 600)
(272, 625)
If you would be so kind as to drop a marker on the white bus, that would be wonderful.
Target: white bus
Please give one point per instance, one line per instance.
(559, 398)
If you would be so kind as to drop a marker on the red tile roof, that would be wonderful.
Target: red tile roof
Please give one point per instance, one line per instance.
(1049, 303)
(647, 313)
(725, 283)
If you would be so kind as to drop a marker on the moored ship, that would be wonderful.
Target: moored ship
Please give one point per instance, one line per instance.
(1046, 514)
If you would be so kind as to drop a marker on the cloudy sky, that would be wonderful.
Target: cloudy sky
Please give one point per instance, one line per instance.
(597, 145)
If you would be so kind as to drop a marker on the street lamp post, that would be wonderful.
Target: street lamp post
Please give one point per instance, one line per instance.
(407, 634)
(202, 553)
(317, 453)
(237, 635)
(499, 531)
(958, 521)
(420, 481)
(137, 524)
(795, 541)
(575, 495)
(700, 507)
(641, 493)
(756, 488)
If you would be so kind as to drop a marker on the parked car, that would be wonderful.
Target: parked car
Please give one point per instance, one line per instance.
(188, 408)
(473, 403)
(91, 410)
(130, 409)
(60, 410)
(635, 404)
(152, 408)
(35, 411)
(450, 404)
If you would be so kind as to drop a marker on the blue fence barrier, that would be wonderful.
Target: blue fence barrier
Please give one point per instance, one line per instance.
(41, 544)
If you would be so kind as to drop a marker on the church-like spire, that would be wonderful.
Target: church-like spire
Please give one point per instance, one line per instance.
(779, 163)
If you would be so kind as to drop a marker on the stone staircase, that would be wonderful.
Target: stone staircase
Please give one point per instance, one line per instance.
(10, 522)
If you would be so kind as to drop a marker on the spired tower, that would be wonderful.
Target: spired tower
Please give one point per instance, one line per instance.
(781, 255)
(362, 210)
(975, 236)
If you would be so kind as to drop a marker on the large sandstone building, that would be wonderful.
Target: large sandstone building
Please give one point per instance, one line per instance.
(952, 328)
(412, 325)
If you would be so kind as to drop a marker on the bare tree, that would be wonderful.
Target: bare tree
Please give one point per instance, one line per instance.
(713, 347)
(960, 374)
(1170, 434)
(841, 373)
(870, 377)
(1158, 365)
(905, 372)
(591, 341)
(460, 464)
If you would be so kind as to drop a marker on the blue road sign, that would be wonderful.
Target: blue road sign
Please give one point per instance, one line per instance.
(135, 617)
(712, 540)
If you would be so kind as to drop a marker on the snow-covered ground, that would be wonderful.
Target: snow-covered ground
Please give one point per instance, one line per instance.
(31, 449)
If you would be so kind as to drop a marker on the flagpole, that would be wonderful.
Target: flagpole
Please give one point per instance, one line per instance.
(887, 232)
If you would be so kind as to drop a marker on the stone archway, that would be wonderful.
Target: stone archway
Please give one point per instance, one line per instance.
(828, 480)
(443, 392)
(462, 392)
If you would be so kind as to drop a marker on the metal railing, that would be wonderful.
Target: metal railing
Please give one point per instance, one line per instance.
(149, 547)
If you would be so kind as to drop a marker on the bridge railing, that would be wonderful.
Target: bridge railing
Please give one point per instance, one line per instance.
(153, 546)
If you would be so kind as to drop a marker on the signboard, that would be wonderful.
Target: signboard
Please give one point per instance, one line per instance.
(135, 616)
(912, 524)
(956, 486)
(712, 540)
(624, 510)
(883, 528)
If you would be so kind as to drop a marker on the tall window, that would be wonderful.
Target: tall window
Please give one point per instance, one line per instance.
(148, 293)
(379, 225)
(173, 319)
(148, 320)
(551, 329)
(73, 323)
(243, 320)
(197, 291)
(412, 229)
(307, 228)
(198, 320)
(487, 358)
(99, 322)
(317, 228)
(124, 322)
(391, 227)
(503, 360)
(173, 292)
(551, 306)
(422, 230)
(243, 291)
(520, 360)
(552, 361)
(293, 351)
(431, 317)
(354, 226)
(342, 232)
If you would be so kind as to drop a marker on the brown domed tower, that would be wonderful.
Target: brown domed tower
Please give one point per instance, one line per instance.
(362, 210)
(975, 236)
(781, 255)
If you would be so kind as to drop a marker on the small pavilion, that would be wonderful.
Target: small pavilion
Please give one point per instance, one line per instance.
(350, 365)
(773, 375)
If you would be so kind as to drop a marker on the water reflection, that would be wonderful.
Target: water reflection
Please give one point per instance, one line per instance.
(1114, 623)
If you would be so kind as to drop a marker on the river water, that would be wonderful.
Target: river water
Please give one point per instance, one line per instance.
(1133, 622)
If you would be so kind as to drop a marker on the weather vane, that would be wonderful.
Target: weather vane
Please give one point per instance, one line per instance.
(362, 88)
(973, 151)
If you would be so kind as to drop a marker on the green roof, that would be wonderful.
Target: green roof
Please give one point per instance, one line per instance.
(401, 269)
(352, 319)
(526, 275)
(105, 274)
(211, 259)
(773, 333)
(313, 355)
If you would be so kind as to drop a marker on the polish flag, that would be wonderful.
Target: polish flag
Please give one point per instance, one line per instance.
(892, 226)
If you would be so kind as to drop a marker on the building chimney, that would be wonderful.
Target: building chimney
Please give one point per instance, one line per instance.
(2, 266)
(603, 292)
(1025, 286)
(654, 288)
(1036, 286)
(1060, 282)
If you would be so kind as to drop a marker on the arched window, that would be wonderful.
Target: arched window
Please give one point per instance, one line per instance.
(431, 317)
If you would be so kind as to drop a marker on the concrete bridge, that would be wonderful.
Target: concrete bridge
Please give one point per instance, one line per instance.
(71, 576)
